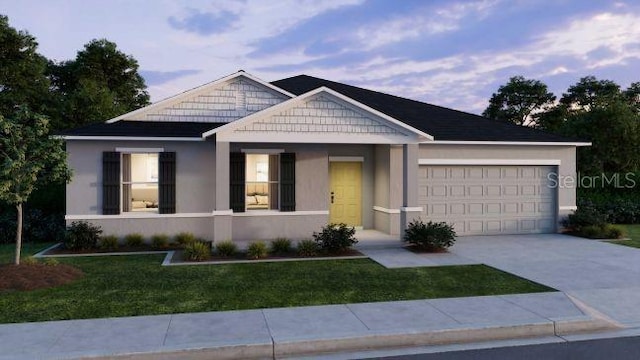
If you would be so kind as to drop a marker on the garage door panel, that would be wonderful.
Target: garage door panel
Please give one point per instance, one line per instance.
(489, 199)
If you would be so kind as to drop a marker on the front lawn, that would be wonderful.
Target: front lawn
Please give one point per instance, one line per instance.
(633, 232)
(138, 285)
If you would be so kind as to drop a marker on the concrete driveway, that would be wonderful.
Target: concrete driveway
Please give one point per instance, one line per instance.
(605, 277)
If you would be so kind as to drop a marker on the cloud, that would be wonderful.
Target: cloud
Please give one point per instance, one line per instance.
(152, 77)
(204, 23)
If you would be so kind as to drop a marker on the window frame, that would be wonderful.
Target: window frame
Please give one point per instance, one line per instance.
(269, 183)
(132, 151)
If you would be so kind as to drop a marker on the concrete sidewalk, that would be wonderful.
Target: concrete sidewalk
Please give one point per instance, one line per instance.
(286, 332)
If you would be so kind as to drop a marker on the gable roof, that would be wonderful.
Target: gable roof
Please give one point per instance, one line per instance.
(143, 129)
(442, 123)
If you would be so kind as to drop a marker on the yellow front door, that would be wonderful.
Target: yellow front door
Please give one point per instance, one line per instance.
(346, 193)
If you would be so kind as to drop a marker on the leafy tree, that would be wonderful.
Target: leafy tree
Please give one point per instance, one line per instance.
(590, 92)
(22, 71)
(30, 158)
(100, 83)
(632, 95)
(519, 100)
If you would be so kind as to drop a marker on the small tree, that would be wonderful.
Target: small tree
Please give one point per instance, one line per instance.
(30, 158)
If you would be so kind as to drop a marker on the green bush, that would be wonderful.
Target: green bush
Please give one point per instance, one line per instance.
(81, 235)
(226, 248)
(134, 240)
(184, 238)
(108, 242)
(585, 215)
(257, 250)
(335, 238)
(51, 262)
(197, 251)
(308, 248)
(30, 261)
(605, 231)
(36, 226)
(160, 241)
(431, 236)
(281, 246)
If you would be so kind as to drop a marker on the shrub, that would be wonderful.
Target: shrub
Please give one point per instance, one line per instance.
(109, 242)
(307, 248)
(197, 251)
(605, 231)
(185, 238)
(30, 261)
(160, 241)
(134, 240)
(226, 248)
(36, 226)
(281, 246)
(431, 236)
(51, 262)
(81, 235)
(585, 215)
(257, 250)
(335, 238)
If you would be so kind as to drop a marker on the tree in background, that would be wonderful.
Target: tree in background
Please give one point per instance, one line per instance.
(589, 93)
(30, 158)
(22, 71)
(99, 84)
(519, 101)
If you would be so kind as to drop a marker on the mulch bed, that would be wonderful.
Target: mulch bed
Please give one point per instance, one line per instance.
(419, 250)
(36, 276)
(241, 256)
(61, 250)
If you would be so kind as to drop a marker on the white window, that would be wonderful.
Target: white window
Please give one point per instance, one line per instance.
(140, 182)
(262, 174)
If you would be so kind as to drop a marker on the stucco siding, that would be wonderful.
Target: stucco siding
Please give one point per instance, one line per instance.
(269, 227)
(200, 227)
(195, 166)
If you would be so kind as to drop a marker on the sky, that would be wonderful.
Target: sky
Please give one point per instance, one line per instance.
(449, 53)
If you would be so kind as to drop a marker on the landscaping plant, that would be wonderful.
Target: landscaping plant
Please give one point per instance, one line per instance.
(184, 238)
(134, 240)
(257, 250)
(281, 246)
(108, 242)
(307, 248)
(226, 248)
(82, 235)
(197, 251)
(335, 238)
(431, 236)
(160, 241)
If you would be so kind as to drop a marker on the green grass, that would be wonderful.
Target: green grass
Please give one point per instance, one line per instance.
(633, 232)
(138, 285)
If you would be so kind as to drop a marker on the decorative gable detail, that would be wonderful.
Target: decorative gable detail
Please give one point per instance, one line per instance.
(321, 114)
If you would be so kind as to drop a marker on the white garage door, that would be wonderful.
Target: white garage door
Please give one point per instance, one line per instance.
(489, 199)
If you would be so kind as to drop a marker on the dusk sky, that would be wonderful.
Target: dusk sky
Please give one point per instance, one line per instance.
(449, 53)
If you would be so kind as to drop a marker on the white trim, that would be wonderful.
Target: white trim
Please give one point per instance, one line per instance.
(139, 150)
(136, 138)
(569, 207)
(294, 101)
(411, 209)
(489, 162)
(147, 215)
(385, 210)
(346, 158)
(262, 151)
(532, 143)
(281, 213)
(196, 91)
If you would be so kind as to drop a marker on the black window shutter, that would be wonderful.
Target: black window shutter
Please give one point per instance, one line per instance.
(288, 182)
(237, 175)
(110, 183)
(167, 183)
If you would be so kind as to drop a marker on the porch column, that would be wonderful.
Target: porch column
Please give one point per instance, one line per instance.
(222, 219)
(410, 209)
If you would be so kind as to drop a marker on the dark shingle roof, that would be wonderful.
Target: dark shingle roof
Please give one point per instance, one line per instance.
(440, 122)
(144, 129)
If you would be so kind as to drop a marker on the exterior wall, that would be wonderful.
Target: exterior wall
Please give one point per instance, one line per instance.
(201, 226)
(248, 227)
(387, 188)
(566, 197)
(195, 166)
